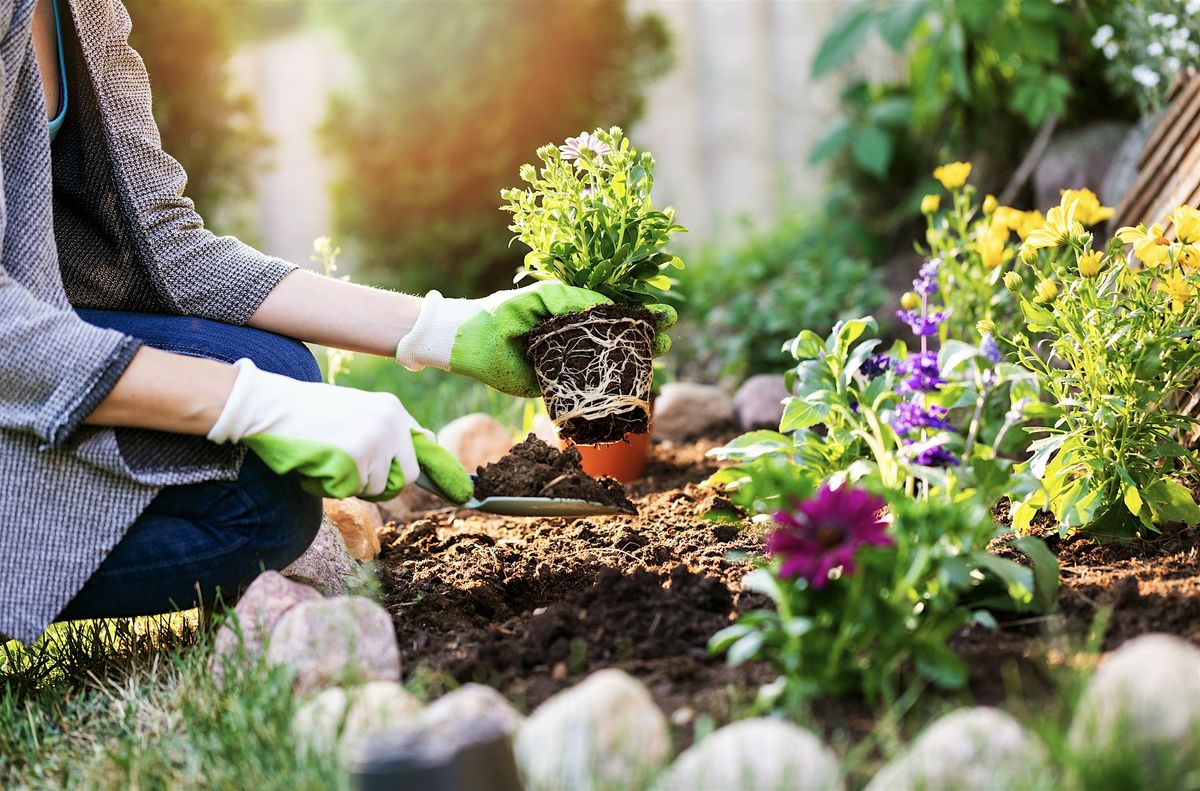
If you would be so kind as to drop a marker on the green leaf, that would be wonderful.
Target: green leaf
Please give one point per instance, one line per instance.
(720, 642)
(872, 149)
(830, 143)
(1171, 501)
(660, 282)
(899, 21)
(1036, 316)
(744, 649)
(1133, 500)
(805, 346)
(1046, 578)
(801, 413)
(1042, 449)
(941, 666)
(844, 39)
(764, 582)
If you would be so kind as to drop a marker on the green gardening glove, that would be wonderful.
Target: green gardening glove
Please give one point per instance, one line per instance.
(484, 338)
(340, 441)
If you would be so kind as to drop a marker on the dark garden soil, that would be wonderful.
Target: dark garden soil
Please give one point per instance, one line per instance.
(534, 469)
(584, 350)
(531, 606)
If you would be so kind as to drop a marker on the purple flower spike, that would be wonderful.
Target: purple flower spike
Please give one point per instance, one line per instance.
(823, 533)
(911, 416)
(927, 282)
(920, 323)
(875, 365)
(935, 456)
(922, 373)
(990, 349)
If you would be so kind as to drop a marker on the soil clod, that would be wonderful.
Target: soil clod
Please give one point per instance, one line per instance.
(534, 469)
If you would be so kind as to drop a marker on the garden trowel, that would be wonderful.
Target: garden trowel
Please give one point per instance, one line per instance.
(525, 506)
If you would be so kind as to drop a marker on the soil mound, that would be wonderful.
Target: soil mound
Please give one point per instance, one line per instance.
(534, 469)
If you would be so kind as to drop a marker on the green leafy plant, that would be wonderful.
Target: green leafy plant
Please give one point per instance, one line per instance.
(589, 220)
(1117, 344)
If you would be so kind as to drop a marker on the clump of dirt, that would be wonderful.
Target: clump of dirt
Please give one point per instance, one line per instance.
(595, 371)
(534, 469)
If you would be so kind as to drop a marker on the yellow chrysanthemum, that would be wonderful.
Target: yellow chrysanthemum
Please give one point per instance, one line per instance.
(930, 204)
(990, 204)
(953, 175)
(1188, 257)
(1187, 224)
(1047, 290)
(1023, 222)
(1149, 245)
(1177, 287)
(993, 246)
(1087, 206)
(1060, 226)
(1089, 263)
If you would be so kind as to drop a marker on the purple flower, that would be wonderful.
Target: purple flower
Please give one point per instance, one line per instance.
(922, 373)
(823, 533)
(911, 416)
(922, 323)
(990, 349)
(586, 146)
(854, 406)
(875, 365)
(934, 456)
(927, 282)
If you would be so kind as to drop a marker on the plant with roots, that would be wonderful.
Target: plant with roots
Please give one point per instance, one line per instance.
(590, 222)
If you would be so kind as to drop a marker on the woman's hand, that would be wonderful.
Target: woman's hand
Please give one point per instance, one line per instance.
(342, 442)
(484, 338)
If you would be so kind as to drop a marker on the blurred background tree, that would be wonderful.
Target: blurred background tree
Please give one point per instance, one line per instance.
(448, 106)
(208, 125)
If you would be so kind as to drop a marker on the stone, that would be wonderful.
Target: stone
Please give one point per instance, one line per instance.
(754, 754)
(471, 703)
(605, 732)
(1077, 158)
(241, 638)
(1146, 694)
(359, 523)
(977, 748)
(475, 440)
(685, 411)
(343, 717)
(758, 403)
(328, 642)
(326, 564)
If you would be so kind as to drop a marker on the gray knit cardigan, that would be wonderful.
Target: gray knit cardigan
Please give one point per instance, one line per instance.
(100, 221)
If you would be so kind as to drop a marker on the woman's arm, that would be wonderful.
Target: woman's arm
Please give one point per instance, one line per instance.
(167, 392)
(318, 309)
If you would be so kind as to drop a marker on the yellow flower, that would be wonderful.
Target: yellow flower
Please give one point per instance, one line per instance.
(1027, 254)
(1047, 291)
(1023, 222)
(1060, 226)
(1149, 245)
(953, 175)
(1089, 263)
(1188, 257)
(985, 326)
(1187, 224)
(910, 301)
(1176, 286)
(993, 246)
(1013, 281)
(930, 204)
(1087, 206)
(990, 204)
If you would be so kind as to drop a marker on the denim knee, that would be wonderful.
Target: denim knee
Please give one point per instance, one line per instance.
(290, 530)
(285, 356)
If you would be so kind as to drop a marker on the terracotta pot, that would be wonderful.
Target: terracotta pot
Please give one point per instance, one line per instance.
(625, 461)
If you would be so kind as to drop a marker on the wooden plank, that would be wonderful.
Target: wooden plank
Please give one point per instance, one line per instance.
(1171, 142)
(1171, 115)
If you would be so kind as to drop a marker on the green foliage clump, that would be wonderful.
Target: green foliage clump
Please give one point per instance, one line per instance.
(589, 220)
(798, 272)
(452, 98)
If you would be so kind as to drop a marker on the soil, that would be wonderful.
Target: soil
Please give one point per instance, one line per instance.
(531, 606)
(534, 469)
(582, 351)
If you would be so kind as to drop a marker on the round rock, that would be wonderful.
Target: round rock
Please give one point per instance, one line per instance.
(977, 748)
(344, 716)
(240, 639)
(754, 754)
(328, 642)
(471, 703)
(1147, 693)
(603, 733)
(685, 411)
(359, 523)
(759, 402)
(326, 564)
(475, 440)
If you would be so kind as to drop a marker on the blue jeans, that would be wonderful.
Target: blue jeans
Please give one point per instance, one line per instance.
(197, 540)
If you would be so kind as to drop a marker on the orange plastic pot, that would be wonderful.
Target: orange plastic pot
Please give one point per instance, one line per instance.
(625, 461)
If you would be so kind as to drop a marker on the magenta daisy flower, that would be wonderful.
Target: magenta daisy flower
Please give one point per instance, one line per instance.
(586, 146)
(824, 532)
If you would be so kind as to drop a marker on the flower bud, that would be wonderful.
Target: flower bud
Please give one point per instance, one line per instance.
(1012, 281)
(930, 204)
(1047, 291)
(1089, 263)
(910, 301)
(1027, 254)
(990, 204)
(986, 327)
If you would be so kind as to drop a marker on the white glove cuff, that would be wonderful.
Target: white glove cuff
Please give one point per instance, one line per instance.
(432, 337)
(228, 427)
